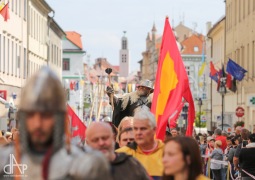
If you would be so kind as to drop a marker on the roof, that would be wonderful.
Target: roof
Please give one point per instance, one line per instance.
(102, 63)
(75, 38)
(216, 24)
(117, 68)
(191, 42)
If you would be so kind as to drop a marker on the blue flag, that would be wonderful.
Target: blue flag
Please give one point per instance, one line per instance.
(235, 70)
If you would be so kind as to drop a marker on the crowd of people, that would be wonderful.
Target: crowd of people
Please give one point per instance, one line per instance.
(41, 147)
(228, 155)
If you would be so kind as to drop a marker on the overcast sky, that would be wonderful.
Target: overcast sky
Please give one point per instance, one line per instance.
(102, 22)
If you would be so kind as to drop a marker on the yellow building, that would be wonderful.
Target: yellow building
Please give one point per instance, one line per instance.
(240, 47)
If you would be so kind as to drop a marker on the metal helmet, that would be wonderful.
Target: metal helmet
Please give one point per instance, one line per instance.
(146, 83)
(43, 93)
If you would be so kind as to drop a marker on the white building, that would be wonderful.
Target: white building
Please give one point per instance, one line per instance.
(73, 71)
(24, 40)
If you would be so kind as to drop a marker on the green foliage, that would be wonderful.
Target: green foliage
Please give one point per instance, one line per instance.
(239, 123)
(202, 124)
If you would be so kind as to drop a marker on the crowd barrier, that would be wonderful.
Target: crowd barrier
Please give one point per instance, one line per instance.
(225, 163)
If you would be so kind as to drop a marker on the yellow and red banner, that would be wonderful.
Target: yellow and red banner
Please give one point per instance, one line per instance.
(171, 85)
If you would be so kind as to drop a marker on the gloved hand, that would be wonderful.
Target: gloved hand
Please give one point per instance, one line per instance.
(109, 90)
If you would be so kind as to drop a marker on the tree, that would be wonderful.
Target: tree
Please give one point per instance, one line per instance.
(202, 124)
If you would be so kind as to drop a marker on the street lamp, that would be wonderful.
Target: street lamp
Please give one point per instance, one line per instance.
(185, 112)
(222, 91)
(199, 103)
(78, 109)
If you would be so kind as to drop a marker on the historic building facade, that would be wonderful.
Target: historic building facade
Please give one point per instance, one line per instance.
(27, 41)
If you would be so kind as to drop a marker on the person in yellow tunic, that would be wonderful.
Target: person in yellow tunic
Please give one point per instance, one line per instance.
(147, 150)
(182, 160)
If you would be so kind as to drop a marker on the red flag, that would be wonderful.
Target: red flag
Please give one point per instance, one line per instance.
(213, 71)
(229, 81)
(172, 123)
(78, 127)
(5, 12)
(171, 85)
(191, 112)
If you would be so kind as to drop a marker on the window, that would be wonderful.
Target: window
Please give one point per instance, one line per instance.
(16, 7)
(124, 44)
(66, 64)
(68, 94)
(187, 69)
(8, 55)
(12, 65)
(4, 54)
(0, 52)
(25, 63)
(25, 9)
(252, 60)
(196, 49)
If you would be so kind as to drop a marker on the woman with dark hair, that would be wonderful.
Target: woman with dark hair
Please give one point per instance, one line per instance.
(182, 160)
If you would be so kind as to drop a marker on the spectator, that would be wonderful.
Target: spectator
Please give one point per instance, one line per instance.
(208, 152)
(174, 132)
(218, 136)
(244, 138)
(223, 139)
(146, 149)
(247, 159)
(182, 160)
(238, 131)
(126, 122)
(231, 153)
(126, 136)
(229, 145)
(99, 136)
(202, 145)
(217, 154)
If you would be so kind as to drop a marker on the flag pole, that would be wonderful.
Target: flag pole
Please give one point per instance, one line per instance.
(92, 108)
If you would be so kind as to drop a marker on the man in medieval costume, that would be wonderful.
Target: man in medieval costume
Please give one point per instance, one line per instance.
(43, 149)
(126, 105)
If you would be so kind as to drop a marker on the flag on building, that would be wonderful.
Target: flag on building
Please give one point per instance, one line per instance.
(202, 69)
(171, 84)
(5, 12)
(213, 72)
(78, 128)
(231, 83)
(235, 70)
(222, 79)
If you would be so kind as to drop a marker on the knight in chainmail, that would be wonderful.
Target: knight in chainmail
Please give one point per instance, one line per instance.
(126, 105)
(43, 149)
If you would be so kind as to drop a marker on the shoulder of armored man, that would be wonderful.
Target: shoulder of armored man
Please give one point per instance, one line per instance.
(5, 152)
(129, 98)
(150, 97)
(89, 164)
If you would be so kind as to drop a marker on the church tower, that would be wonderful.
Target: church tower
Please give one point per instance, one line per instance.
(124, 57)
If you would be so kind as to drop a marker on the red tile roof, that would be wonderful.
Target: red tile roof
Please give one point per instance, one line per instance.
(117, 68)
(191, 42)
(74, 37)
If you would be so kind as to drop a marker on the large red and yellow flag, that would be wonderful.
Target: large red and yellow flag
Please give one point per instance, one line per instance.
(171, 85)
